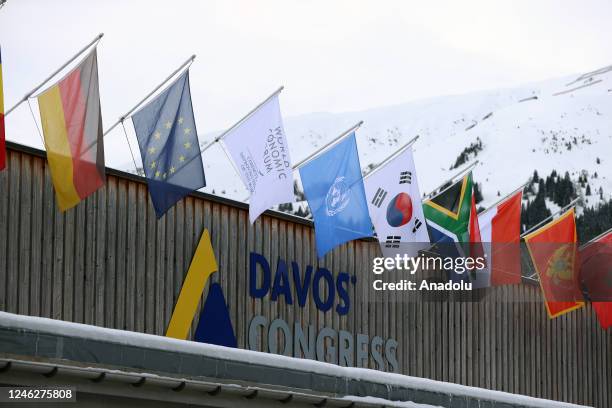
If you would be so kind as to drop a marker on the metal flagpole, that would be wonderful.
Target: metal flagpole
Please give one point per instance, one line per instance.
(127, 115)
(29, 94)
(245, 117)
(342, 135)
(594, 240)
(550, 217)
(508, 195)
(450, 180)
(392, 156)
(311, 156)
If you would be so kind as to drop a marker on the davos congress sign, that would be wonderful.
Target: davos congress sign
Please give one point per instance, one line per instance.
(286, 282)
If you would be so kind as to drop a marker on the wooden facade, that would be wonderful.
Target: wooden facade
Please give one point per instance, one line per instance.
(109, 262)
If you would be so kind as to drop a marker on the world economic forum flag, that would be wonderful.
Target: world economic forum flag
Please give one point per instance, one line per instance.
(169, 147)
(334, 189)
(394, 202)
(258, 147)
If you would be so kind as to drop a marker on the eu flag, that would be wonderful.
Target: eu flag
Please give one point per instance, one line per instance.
(168, 142)
(336, 196)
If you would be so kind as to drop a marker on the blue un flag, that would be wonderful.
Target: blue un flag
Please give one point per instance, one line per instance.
(169, 148)
(336, 196)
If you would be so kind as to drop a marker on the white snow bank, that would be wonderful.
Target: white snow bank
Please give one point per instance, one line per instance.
(59, 327)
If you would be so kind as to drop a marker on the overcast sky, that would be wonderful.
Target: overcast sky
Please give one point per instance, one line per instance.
(331, 55)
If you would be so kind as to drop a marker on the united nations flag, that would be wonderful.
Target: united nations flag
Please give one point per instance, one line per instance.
(169, 148)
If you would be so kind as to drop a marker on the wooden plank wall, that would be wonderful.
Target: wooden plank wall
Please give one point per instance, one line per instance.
(110, 262)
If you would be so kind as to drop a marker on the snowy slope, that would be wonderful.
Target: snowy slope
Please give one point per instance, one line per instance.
(522, 129)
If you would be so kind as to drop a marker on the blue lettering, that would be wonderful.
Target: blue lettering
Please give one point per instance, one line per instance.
(345, 301)
(254, 260)
(323, 273)
(281, 283)
(301, 287)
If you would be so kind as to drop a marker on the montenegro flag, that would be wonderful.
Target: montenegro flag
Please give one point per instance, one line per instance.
(2, 135)
(596, 275)
(72, 126)
(553, 252)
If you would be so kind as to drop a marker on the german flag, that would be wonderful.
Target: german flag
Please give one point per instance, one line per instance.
(72, 126)
(2, 134)
(553, 251)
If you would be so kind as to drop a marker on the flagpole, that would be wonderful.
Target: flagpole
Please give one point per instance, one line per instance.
(509, 195)
(342, 135)
(450, 180)
(127, 115)
(245, 117)
(550, 217)
(594, 240)
(57, 71)
(391, 156)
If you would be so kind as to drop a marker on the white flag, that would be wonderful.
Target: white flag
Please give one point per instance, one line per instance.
(258, 147)
(394, 203)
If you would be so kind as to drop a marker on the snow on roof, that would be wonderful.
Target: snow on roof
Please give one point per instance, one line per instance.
(143, 340)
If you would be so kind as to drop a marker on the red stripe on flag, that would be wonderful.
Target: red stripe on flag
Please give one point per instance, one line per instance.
(604, 313)
(85, 177)
(505, 238)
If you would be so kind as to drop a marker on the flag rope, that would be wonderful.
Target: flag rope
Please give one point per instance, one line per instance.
(130, 146)
(36, 124)
(57, 71)
(127, 115)
(245, 117)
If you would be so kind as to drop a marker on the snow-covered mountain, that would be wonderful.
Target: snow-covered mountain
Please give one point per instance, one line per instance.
(563, 124)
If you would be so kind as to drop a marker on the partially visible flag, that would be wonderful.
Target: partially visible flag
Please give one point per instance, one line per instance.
(394, 202)
(500, 230)
(258, 147)
(72, 126)
(476, 247)
(334, 189)
(169, 146)
(596, 275)
(448, 213)
(553, 252)
(2, 134)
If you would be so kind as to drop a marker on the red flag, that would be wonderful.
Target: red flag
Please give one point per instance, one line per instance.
(596, 275)
(500, 226)
(475, 239)
(553, 253)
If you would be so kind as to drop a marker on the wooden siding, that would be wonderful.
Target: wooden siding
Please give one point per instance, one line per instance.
(110, 262)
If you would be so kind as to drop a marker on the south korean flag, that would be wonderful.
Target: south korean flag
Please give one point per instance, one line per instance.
(394, 203)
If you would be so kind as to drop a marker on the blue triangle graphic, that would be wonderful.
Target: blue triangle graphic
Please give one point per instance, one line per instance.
(215, 325)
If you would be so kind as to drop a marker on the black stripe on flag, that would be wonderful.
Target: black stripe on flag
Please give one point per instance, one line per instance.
(405, 177)
(379, 197)
(393, 241)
